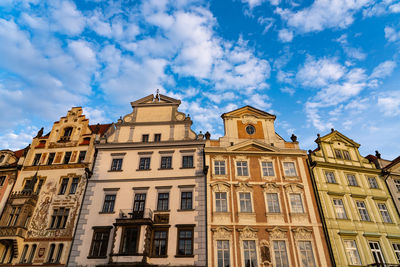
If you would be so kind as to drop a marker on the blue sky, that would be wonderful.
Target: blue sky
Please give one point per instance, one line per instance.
(316, 65)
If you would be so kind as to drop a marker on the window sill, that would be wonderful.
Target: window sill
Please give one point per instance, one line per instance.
(291, 177)
(165, 169)
(187, 168)
(114, 170)
(161, 256)
(161, 211)
(185, 210)
(97, 257)
(138, 170)
(353, 185)
(106, 212)
(184, 256)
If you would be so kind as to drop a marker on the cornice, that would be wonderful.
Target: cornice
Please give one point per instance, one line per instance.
(212, 150)
(56, 167)
(346, 167)
(151, 145)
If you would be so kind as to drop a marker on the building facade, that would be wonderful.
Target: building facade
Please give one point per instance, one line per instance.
(359, 213)
(145, 202)
(38, 221)
(261, 206)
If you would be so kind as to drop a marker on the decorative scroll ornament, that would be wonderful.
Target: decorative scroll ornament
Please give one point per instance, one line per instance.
(220, 187)
(244, 187)
(302, 233)
(222, 232)
(248, 233)
(294, 187)
(277, 233)
(249, 119)
(271, 187)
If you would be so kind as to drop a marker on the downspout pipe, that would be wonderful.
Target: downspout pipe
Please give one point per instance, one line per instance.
(205, 171)
(311, 165)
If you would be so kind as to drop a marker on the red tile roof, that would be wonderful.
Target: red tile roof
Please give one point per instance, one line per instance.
(394, 162)
(19, 153)
(102, 128)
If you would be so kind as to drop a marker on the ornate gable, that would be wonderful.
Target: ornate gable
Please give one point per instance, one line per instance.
(248, 113)
(253, 145)
(338, 137)
(157, 99)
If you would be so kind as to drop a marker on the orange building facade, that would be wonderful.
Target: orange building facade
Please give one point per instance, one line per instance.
(261, 209)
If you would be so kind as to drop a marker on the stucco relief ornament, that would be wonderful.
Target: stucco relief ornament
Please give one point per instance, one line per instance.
(244, 187)
(277, 233)
(302, 233)
(222, 232)
(265, 253)
(248, 233)
(249, 119)
(271, 187)
(220, 187)
(294, 187)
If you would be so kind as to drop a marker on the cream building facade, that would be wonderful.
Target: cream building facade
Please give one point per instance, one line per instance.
(145, 203)
(38, 222)
(359, 214)
(261, 205)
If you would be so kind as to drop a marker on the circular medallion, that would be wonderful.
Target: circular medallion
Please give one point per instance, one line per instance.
(250, 129)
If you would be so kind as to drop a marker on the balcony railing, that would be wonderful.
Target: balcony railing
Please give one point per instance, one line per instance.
(12, 231)
(130, 214)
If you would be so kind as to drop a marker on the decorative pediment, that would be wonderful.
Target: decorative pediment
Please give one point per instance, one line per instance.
(338, 137)
(248, 112)
(302, 233)
(244, 187)
(248, 233)
(253, 145)
(222, 232)
(220, 187)
(277, 233)
(271, 187)
(157, 99)
(294, 187)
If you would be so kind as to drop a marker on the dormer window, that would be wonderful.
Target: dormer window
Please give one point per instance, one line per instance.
(67, 134)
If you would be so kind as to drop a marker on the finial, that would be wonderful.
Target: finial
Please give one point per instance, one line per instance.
(293, 138)
(377, 154)
(332, 130)
(39, 133)
(318, 135)
(207, 135)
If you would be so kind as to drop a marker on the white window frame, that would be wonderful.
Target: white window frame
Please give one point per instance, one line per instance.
(374, 250)
(353, 256)
(383, 210)
(215, 166)
(355, 179)
(251, 202)
(375, 182)
(215, 201)
(229, 251)
(290, 174)
(279, 203)
(312, 251)
(337, 206)
(362, 208)
(329, 179)
(396, 250)
(247, 168)
(301, 202)
(267, 168)
(273, 252)
(256, 251)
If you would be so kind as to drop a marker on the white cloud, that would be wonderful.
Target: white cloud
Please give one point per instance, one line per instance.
(288, 90)
(389, 104)
(254, 3)
(95, 115)
(384, 69)
(67, 18)
(382, 7)
(285, 35)
(391, 34)
(266, 22)
(16, 140)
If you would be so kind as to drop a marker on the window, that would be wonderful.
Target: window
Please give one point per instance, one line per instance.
(67, 157)
(250, 129)
(163, 199)
(397, 183)
(36, 159)
(241, 168)
(59, 252)
(14, 214)
(23, 254)
(306, 254)
(109, 202)
(51, 158)
(289, 169)
(187, 162)
(267, 168)
(273, 203)
(116, 164)
(144, 164)
(363, 211)
(384, 212)
(2, 157)
(338, 154)
(157, 137)
(50, 256)
(223, 257)
(339, 208)
(27, 185)
(373, 183)
(250, 253)
(296, 203)
(145, 138)
(74, 186)
(68, 131)
(352, 180)
(63, 187)
(221, 202)
(346, 155)
(352, 252)
(185, 241)
(138, 205)
(166, 162)
(219, 167)
(330, 177)
(376, 252)
(396, 248)
(280, 253)
(59, 218)
(129, 240)
(186, 200)
(245, 202)
(82, 155)
(2, 179)
(98, 249)
(39, 186)
(160, 241)
(32, 254)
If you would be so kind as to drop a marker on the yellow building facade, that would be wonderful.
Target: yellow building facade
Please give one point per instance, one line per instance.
(358, 211)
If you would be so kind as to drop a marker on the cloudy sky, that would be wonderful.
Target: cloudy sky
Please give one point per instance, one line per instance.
(316, 65)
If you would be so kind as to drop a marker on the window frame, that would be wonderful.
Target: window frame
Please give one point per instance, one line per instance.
(144, 163)
(363, 217)
(396, 250)
(2, 179)
(375, 181)
(107, 203)
(50, 158)
(248, 202)
(73, 186)
(292, 210)
(153, 240)
(145, 138)
(218, 206)
(274, 253)
(277, 201)
(67, 157)
(285, 169)
(255, 252)
(385, 215)
(268, 168)
(345, 217)
(80, 157)
(346, 155)
(312, 252)
(101, 241)
(350, 252)
(182, 207)
(186, 228)
(59, 219)
(157, 137)
(187, 164)
(163, 200)
(166, 165)
(377, 250)
(352, 182)
(36, 159)
(118, 165)
(330, 180)
(219, 167)
(244, 170)
(63, 186)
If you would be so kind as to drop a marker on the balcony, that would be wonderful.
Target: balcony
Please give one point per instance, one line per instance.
(12, 231)
(129, 216)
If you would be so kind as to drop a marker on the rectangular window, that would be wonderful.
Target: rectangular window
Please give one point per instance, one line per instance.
(186, 200)
(362, 209)
(144, 164)
(280, 253)
(116, 164)
(74, 186)
(187, 162)
(166, 162)
(346, 155)
(138, 205)
(14, 214)
(396, 248)
(185, 241)
(59, 253)
(223, 256)
(50, 256)
(59, 218)
(352, 180)
(373, 183)
(36, 159)
(39, 186)
(163, 199)
(306, 253)
(160, 241)
(273, 203)
(82, 156)
(27, 185)
(32, 253)
(241, 167)
(376, 252)
(339, 208)
(157, 137)
(98, 248)
(109, 202)
(245, 202)
(289, 169)
(397, 183)
(296, 203)
(219, 167)
(267, 168)
(145, 138)
(250, 253)
(352, 252)
(67, 157)
(338, 154)
(51, 158)
(330, 177)
(2, 179)
(129, 240)
(384, 212)
(64, 185)
(221, 202)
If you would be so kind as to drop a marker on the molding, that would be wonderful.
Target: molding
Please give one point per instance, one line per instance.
(186, 186)
(383, 198)
(167, 152)
(147, 179)
(111, 189)
(152, 145)
(145, 153)
(56, 167)
(344, 167)
(358, 196)
(118, 154)
(333, 193)
(347, 233)
(164, 187)
(187, 150)
(369, 234)
(141, 188)
(390, 236)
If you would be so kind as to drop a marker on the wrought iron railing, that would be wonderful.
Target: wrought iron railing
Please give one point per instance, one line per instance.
(136, 215)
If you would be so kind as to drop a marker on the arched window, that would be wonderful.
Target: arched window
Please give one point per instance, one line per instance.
(32, 254)
(59, 253)
(50, 258)
(23, 255)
